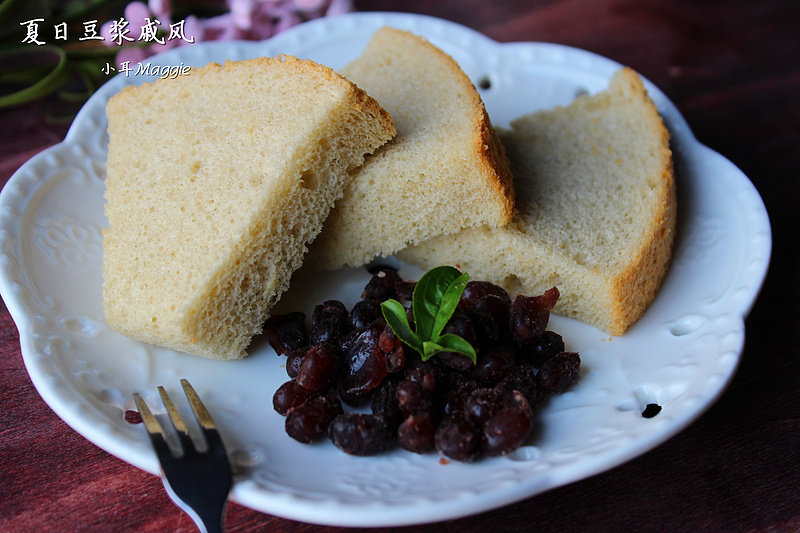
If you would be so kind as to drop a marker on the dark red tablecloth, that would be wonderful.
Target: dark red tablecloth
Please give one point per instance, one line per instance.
(733, 70)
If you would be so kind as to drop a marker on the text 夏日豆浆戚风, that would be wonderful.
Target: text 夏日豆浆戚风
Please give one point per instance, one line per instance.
(119, 32)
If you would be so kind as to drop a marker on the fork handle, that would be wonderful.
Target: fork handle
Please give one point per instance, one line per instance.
(208, 519)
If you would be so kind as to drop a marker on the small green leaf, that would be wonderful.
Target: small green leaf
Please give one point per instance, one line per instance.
(448, 343)
(429, 349)
(454, 343)
(395, 315)
(428, 298)
(448, 304)
(434, 301)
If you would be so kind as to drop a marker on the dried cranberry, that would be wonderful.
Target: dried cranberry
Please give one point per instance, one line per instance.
(529, 315)
(516, 399)
(329, 322)
(318, 368)
(458, 438)
(545, 347)
(493, 366)
(286, 332)
(483, 407)
(475, 290)
(364, 313)
(521, 378)
(412, 397)
(417, 433)
(393, 349)
(361, 434)
(293, 359)
(506, 431)
(384, 403)
(490, 319)
(483, 403)
(454, 361)
(423, 373)
(381, 285)
(404, 290)
(561, 371)
(291, 395)
(364, 367)
(457, 395)
(461, 325)
(309, 422)
(388, 341)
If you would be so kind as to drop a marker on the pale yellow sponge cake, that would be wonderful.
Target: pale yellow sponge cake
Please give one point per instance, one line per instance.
(444, 171)
(216, 182)
(596, 209)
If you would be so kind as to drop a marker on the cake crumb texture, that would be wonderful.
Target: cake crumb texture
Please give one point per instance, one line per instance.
(216, 181)
(595, 212)
(444, 171)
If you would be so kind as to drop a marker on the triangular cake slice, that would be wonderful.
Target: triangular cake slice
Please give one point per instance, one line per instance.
(216, 182)
(444, 171)
(595, 213)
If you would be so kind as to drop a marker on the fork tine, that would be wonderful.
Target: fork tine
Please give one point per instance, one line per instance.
(154, 429)
(151, 423)
(187, 444)
(172, 411)
(198, 407)
(197, 480)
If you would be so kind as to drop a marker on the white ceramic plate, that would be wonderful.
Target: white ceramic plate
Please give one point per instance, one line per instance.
(681, 354)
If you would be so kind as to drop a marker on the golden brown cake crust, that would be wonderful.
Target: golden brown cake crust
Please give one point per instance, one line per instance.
(216, 183)
(636, 286)
(445, 170)
(487, 148)
(596, 209)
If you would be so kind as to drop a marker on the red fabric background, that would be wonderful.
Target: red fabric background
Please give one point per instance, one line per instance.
(732, 69)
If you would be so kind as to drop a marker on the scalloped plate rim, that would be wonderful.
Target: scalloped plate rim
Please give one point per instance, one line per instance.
(383, 513)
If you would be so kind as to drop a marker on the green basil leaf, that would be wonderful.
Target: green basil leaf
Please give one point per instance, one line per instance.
(448, 305)
(428, 297)
(434, 301)
(395, 315)
(454, 343)
(429, 349)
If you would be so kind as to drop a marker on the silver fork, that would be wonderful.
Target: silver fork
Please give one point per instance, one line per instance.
(197, 480)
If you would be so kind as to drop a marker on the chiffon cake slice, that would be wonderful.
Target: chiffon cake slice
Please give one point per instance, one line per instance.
(444, 171)
(595, 212)
(216, 182)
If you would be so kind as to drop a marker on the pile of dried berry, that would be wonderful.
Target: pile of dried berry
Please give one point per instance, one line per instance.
(461, 408)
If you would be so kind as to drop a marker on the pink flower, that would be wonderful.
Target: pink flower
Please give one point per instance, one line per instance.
(286, 21)
(221, 28)
(135, 14)
(132, 55)
(246, 19)
(193, 28)
(242, 13)
(310, 5)
(339, 7)
(161, 9)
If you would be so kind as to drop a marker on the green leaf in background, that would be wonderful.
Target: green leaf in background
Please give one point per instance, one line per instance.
(56, 66)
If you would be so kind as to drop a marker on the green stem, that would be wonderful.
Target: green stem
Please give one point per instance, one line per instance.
(49, 83)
